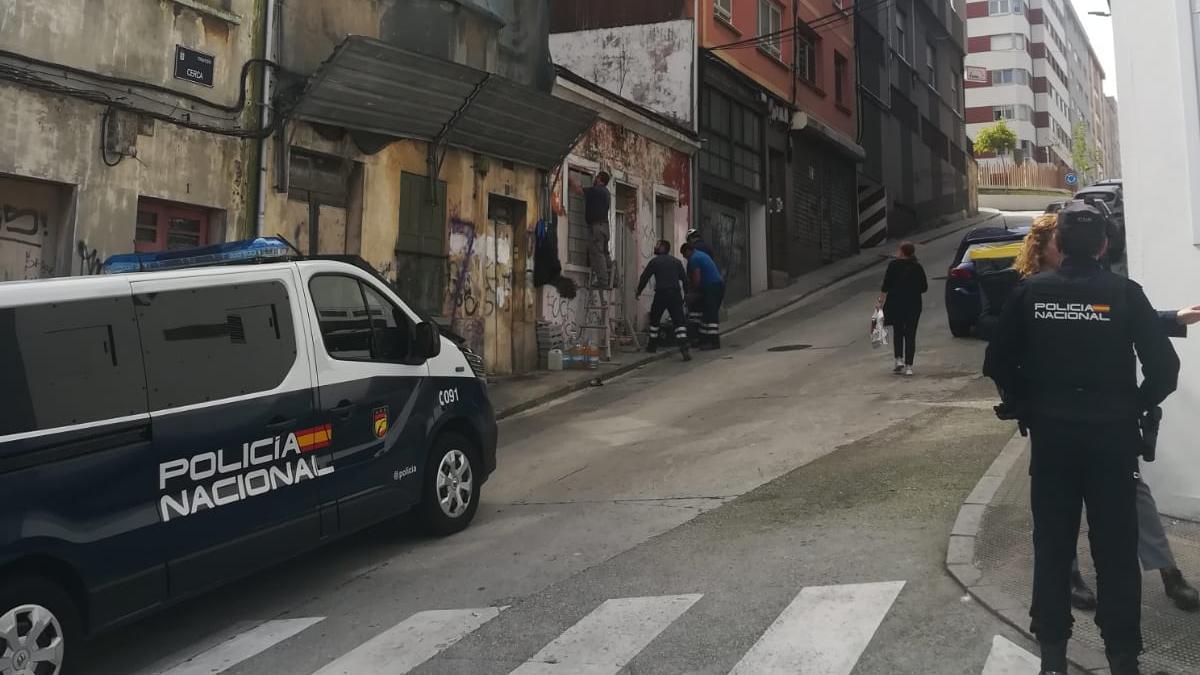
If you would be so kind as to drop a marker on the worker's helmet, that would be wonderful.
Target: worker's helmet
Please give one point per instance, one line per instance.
(693, 233)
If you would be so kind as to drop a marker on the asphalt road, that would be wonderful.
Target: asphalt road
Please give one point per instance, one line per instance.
(754, 511)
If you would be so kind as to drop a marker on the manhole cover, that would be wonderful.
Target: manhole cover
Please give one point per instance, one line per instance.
(789, 348)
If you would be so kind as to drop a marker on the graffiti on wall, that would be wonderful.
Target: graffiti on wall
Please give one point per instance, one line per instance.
(29, 251)
(89, 258)
(462, 305)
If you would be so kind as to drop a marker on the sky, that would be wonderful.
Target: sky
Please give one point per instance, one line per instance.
(1099, 30)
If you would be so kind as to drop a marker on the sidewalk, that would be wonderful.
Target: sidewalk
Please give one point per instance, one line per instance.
(511, 395)
(991, 553)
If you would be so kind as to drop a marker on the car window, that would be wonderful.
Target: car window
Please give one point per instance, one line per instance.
(985, 253)
(215, 342)
(69, 363)
(357, 322)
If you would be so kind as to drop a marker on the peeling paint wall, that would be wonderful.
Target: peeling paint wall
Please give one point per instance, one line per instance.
(56, 139)
(651, 65)
(658, 178)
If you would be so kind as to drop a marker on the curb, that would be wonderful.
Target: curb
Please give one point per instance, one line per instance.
(960, 559)
(741, 323)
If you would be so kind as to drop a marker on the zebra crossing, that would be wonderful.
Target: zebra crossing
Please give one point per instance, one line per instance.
(824, 630)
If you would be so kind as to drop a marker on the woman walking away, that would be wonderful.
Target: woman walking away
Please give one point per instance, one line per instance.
(903, 285)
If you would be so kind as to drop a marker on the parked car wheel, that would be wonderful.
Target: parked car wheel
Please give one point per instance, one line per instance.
(960, 329)
(39, 628)
(451, 489)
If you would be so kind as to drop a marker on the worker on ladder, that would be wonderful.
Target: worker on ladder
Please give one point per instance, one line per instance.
(597, 201)
(670, 280)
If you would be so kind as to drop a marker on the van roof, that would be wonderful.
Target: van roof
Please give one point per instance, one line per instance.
(13, 293)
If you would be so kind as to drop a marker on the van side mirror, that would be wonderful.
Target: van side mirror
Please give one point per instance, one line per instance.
(427, 342)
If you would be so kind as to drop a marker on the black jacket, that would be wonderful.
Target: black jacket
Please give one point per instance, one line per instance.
(905, 283)
(668, 274)
(1064, 347)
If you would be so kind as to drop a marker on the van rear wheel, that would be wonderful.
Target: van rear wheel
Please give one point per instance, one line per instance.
(450, 493)
(39, 628)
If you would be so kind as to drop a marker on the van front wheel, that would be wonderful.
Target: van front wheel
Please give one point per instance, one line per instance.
(39, 628)
(450, 493)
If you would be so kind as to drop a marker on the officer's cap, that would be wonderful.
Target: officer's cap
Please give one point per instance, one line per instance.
(1080, 214)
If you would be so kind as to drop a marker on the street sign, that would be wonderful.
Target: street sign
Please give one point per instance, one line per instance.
(977, 74)
(1072, 179)
(194, 66)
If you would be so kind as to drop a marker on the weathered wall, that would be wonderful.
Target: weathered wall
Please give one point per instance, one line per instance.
(56, 139)
(657, 174)
(651, 65)
(489, 297)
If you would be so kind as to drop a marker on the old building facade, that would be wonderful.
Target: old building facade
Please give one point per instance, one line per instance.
(649, 156)
(911, 71)
(95, 124)
(426, 151)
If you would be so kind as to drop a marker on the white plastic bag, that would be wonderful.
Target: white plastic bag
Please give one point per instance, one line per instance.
(878, 331)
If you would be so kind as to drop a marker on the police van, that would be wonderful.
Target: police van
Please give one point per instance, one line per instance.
(167, 430)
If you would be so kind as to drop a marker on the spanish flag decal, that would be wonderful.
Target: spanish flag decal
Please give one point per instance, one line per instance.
(1102, 309)
(380, 419)
(314, 438)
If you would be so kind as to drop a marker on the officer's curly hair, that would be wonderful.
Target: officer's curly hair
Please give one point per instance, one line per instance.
(1032, 258)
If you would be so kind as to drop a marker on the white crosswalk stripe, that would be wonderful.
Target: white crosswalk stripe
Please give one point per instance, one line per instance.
(1007, 658)
(241, 647)
(823, 632)
(602, 642)
(411, 642)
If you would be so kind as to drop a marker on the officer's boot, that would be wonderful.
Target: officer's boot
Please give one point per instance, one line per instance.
(1179, 590)
(1123, 664)
(1054, 658)
(1082, 596)
(652, 345)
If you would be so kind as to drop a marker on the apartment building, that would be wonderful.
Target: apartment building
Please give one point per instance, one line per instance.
(1030, 63)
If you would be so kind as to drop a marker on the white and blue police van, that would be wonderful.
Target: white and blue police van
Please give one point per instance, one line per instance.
(196, 416)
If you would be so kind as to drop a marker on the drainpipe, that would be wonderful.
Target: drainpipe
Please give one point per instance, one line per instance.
(263, 172)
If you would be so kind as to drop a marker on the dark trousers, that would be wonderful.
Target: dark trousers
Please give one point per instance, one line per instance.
(711, 297)
(671, 302)
(1077, 463)
(904, 337)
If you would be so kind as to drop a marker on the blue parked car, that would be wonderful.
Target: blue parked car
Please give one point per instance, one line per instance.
(982, 250)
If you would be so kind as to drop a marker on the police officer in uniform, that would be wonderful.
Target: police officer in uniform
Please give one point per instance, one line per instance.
(669, 281)
(1064, 360)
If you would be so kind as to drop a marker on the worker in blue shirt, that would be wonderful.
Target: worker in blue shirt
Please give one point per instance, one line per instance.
(708, 290)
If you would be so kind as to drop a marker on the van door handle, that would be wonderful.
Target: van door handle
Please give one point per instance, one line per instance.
(277, 423)
(343, 409)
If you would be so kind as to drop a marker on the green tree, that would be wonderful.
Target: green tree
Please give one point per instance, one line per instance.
(1083, 155)
(997, 139)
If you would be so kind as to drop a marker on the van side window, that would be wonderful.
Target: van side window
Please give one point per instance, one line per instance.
(210, 343)
(357, 322)
(69, 363)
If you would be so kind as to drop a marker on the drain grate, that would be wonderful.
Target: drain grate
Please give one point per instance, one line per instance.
(789, 348)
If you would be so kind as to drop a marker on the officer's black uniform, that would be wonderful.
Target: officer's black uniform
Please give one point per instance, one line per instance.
(669, 280)
(1063, 357)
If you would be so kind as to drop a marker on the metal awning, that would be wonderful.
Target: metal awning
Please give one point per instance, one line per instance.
(372, 86)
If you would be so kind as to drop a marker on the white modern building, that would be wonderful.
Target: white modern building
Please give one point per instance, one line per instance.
(1159, 46)
(1042, 76)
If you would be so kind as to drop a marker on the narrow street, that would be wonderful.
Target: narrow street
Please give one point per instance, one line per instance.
(759, 510)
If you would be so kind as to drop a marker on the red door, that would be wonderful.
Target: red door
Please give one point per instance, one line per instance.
(169, 226)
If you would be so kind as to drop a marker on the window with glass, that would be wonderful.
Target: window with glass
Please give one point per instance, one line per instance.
(1009, 76)
(1001, 7)
(806, 58)
(723, 9)
(841, 72)
(358, 323)
(900, 35)
(733, 140)
(931, 64)
(770, 23)
(215, 342)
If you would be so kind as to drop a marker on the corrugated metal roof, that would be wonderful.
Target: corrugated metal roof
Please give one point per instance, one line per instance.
(373, 86)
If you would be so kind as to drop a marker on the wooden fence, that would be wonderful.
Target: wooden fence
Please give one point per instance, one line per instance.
(1026, 176)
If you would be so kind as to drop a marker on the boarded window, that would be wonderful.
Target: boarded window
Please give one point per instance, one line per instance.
(317, 178)
(421, 245)
(577, 229)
